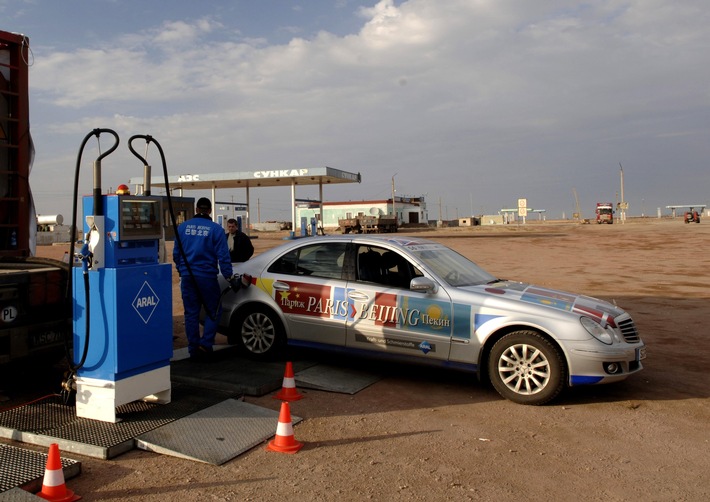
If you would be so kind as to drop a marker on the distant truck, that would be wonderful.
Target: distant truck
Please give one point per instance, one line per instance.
(692, 216)
(368, 224)
(605, 213)
(35, 304)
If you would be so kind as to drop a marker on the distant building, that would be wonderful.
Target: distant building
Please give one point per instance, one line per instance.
(409, 210)
(470, 221)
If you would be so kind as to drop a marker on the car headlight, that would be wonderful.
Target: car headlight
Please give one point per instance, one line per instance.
(596, 330)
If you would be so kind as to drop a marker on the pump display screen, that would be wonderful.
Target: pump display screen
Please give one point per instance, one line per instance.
(140, 218)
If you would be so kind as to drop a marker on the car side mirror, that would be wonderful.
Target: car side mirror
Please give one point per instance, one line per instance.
(423, 284)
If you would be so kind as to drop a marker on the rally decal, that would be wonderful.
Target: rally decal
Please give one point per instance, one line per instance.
(403, 312)
(604, 314)
(400, 343)
(549, 298)
(481, 319)
(584, 305)
(386, 310)
(309, 299)
(462, 321)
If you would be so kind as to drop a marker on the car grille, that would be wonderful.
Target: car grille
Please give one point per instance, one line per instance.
(628, 330)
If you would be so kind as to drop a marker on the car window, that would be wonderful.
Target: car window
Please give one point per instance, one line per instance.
(455, 269)
(317, 260)
(386, 267)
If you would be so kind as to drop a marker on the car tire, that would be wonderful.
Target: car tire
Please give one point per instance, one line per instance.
(526, 368)
(258, 332)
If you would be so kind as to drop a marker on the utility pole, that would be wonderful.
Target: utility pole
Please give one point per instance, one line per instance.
(394, 210)
(623, 203)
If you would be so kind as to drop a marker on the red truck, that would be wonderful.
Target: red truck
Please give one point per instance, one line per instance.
(35, 305)
(605, 213)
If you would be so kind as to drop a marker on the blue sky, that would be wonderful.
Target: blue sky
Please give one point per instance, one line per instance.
(473, 103)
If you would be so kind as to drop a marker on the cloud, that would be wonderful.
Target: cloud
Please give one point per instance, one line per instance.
(491, 98)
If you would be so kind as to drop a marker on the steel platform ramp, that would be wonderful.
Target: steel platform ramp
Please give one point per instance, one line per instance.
(18, 495)
(334, 379)
(216, 434)
(49, 421)
(230, 372)
(24, 470)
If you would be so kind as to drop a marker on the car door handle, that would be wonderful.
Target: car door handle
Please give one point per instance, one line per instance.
(281, 286)
(358, 295)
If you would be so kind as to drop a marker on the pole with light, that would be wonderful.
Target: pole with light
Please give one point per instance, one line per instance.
(394, 211)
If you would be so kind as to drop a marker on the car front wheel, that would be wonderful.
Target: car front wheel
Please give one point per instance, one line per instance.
(526, 368)
(258, 332)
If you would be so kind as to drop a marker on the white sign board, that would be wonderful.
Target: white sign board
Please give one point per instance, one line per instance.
(522, 207)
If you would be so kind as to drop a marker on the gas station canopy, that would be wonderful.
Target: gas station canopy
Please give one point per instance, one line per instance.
(253, 179)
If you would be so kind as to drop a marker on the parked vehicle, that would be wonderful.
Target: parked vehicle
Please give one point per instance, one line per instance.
(414, 299)
(605, 212)
(368, 224)
(692, 216)
(35, 309)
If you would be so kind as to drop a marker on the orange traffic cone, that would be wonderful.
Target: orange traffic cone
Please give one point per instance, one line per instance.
(284, 442)
(53, 487)
(288, 390)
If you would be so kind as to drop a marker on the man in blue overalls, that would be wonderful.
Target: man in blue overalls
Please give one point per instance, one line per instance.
(204, 254)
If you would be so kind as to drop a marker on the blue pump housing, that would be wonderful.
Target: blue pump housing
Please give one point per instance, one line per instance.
(130, 305)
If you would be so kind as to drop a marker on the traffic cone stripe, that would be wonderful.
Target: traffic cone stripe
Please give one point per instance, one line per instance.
(284, 429)
(53, 487)
(284, 442)
(53, 478)
(288, 390)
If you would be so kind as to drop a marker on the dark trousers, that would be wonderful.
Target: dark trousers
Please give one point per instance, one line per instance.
(209, 293)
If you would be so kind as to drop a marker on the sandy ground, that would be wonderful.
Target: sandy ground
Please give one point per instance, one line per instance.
(438, 435)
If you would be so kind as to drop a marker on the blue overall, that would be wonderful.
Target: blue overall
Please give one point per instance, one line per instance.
(205, 246)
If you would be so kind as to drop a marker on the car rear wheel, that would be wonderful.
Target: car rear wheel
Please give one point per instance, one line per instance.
(526, 368)
(258, 332)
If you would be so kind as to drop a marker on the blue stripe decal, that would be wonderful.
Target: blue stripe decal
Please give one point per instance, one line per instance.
(481, 319)
(462, 321)
(585, 380)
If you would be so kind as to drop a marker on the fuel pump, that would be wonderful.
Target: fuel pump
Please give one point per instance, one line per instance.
(122, 300)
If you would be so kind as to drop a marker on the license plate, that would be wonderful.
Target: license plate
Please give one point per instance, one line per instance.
(46, 338)
(641, 354)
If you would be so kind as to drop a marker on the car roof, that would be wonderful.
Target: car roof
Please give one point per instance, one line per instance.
(399, 242)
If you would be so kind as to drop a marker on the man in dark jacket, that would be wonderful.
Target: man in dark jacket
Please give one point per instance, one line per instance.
(200, 253)
(239, 243)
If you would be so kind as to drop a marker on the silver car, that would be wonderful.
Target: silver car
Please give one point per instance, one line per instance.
(415, 299)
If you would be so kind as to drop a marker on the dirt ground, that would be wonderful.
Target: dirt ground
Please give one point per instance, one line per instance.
(439, 435)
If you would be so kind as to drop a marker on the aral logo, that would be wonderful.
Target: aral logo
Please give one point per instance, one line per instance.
(145, 302)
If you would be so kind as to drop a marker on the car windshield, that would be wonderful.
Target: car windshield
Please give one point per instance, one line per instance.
(455, 269)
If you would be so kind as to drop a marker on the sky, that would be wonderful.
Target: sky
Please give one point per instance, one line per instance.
(473, 104)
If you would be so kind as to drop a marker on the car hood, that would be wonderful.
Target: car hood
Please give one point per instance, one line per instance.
(600, 310)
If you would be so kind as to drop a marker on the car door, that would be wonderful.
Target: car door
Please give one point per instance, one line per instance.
(386, 315)
(309, 289)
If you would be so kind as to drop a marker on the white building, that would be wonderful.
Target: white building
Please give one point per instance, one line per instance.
(409, 210)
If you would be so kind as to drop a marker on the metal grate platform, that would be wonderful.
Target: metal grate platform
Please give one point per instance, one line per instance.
(21, 468)
(48, 421)
(216, 434)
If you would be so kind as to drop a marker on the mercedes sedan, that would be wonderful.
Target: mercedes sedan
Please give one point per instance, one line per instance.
(415, 299)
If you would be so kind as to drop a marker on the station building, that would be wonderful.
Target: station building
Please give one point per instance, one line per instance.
(409, 211)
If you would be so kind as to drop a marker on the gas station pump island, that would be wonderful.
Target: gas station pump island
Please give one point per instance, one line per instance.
(122, 305)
